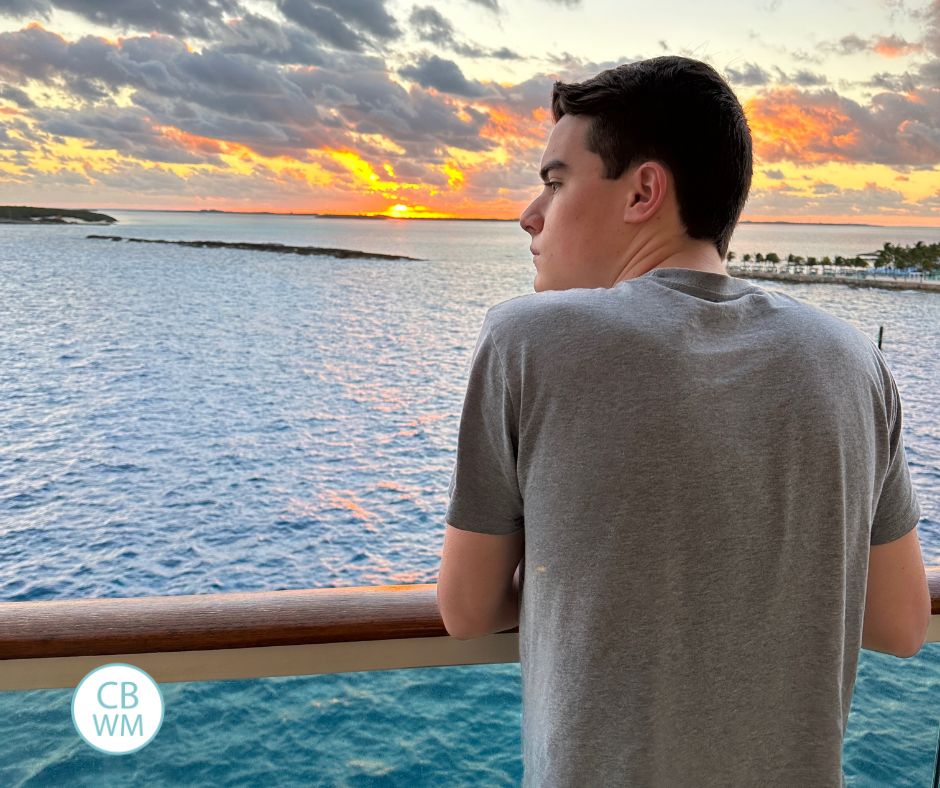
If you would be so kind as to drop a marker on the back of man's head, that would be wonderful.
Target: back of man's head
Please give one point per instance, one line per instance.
(677, 111)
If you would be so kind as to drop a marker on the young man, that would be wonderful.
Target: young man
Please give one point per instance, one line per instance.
(707, 479)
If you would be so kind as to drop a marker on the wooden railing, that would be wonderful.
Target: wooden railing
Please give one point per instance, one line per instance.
(250, 635)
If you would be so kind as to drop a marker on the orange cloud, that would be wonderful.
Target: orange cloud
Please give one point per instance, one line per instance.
(503, 125)
(784, 125)
(894, 46)
(194, 142)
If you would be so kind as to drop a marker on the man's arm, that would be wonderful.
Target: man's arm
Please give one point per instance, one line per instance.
(479, 582)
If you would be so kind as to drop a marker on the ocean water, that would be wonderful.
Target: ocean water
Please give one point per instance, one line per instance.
(181, 421)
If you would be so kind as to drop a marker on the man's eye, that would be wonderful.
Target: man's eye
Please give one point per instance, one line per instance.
(552, 184)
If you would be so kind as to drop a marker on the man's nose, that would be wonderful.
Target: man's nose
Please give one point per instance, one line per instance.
(531, 219)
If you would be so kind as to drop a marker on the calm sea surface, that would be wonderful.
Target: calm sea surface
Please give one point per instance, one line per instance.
(189, 421)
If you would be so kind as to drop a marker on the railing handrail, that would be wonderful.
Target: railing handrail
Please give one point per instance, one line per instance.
(157, 624)
(133, 625)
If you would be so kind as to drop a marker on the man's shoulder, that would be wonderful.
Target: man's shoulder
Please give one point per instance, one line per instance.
(538, 311)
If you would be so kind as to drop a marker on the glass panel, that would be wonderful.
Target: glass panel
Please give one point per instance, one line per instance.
(891, 737)
(417, 727)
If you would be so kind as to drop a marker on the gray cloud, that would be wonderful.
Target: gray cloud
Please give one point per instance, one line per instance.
(17, 96)
(847, 45)
(750, 74)
(127, 130)
(195, 18)
(211, 94)
(930, 73)
(32, 8)
(801, 77)
(368, 14)
(575, 69)
(932, 32)
(443, 75)
(891, 45)
(419, 122)
(346, 24)
(326, 23)
(901, 83)
(873, 199)
(263, 38)
(432, 26)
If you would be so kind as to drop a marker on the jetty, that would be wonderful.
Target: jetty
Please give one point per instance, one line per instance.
(267, 247)
(854, 279)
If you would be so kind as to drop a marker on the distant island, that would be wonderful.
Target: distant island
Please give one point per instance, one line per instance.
(25, 214)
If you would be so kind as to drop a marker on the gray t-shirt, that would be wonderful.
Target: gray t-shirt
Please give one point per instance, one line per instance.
(699, 465)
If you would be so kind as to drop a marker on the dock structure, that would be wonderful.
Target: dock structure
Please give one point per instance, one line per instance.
(860, 279)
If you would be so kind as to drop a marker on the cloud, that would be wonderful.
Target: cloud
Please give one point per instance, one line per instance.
(575, 69)
(128, 131)
(349, 25)
(802, 77)
(195, 18)
(327, 24)
(368, 14)
(789, 124)
(21, 8)
(432, 26)
(444, 75)
(17, 96)
(308, 99)
(892, 46)
(230, 96)
(750, 74)
(873, 200)
(263, 38)
(847, 45)
(898, 83)
(367, 101)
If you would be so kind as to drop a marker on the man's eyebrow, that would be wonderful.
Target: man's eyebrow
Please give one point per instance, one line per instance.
(554, 164)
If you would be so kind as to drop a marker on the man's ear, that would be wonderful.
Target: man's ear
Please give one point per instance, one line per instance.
(647, 186)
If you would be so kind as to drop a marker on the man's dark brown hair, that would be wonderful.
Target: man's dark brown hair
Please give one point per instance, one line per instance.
(681, 113)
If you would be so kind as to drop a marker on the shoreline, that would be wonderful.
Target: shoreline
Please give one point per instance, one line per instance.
(875, 281)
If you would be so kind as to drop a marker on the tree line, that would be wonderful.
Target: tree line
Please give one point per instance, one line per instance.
(920, 257)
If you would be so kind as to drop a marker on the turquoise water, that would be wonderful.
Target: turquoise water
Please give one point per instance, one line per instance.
(184, 421)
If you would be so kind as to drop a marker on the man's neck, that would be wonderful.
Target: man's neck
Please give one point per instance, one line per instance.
(693, 255)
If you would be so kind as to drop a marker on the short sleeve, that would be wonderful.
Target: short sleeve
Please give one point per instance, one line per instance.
(484, 488)
(897, 509)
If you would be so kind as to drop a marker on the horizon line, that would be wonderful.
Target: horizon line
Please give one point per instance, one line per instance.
(474, 218)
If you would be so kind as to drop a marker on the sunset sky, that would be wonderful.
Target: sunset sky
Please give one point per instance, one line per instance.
(411, 109)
